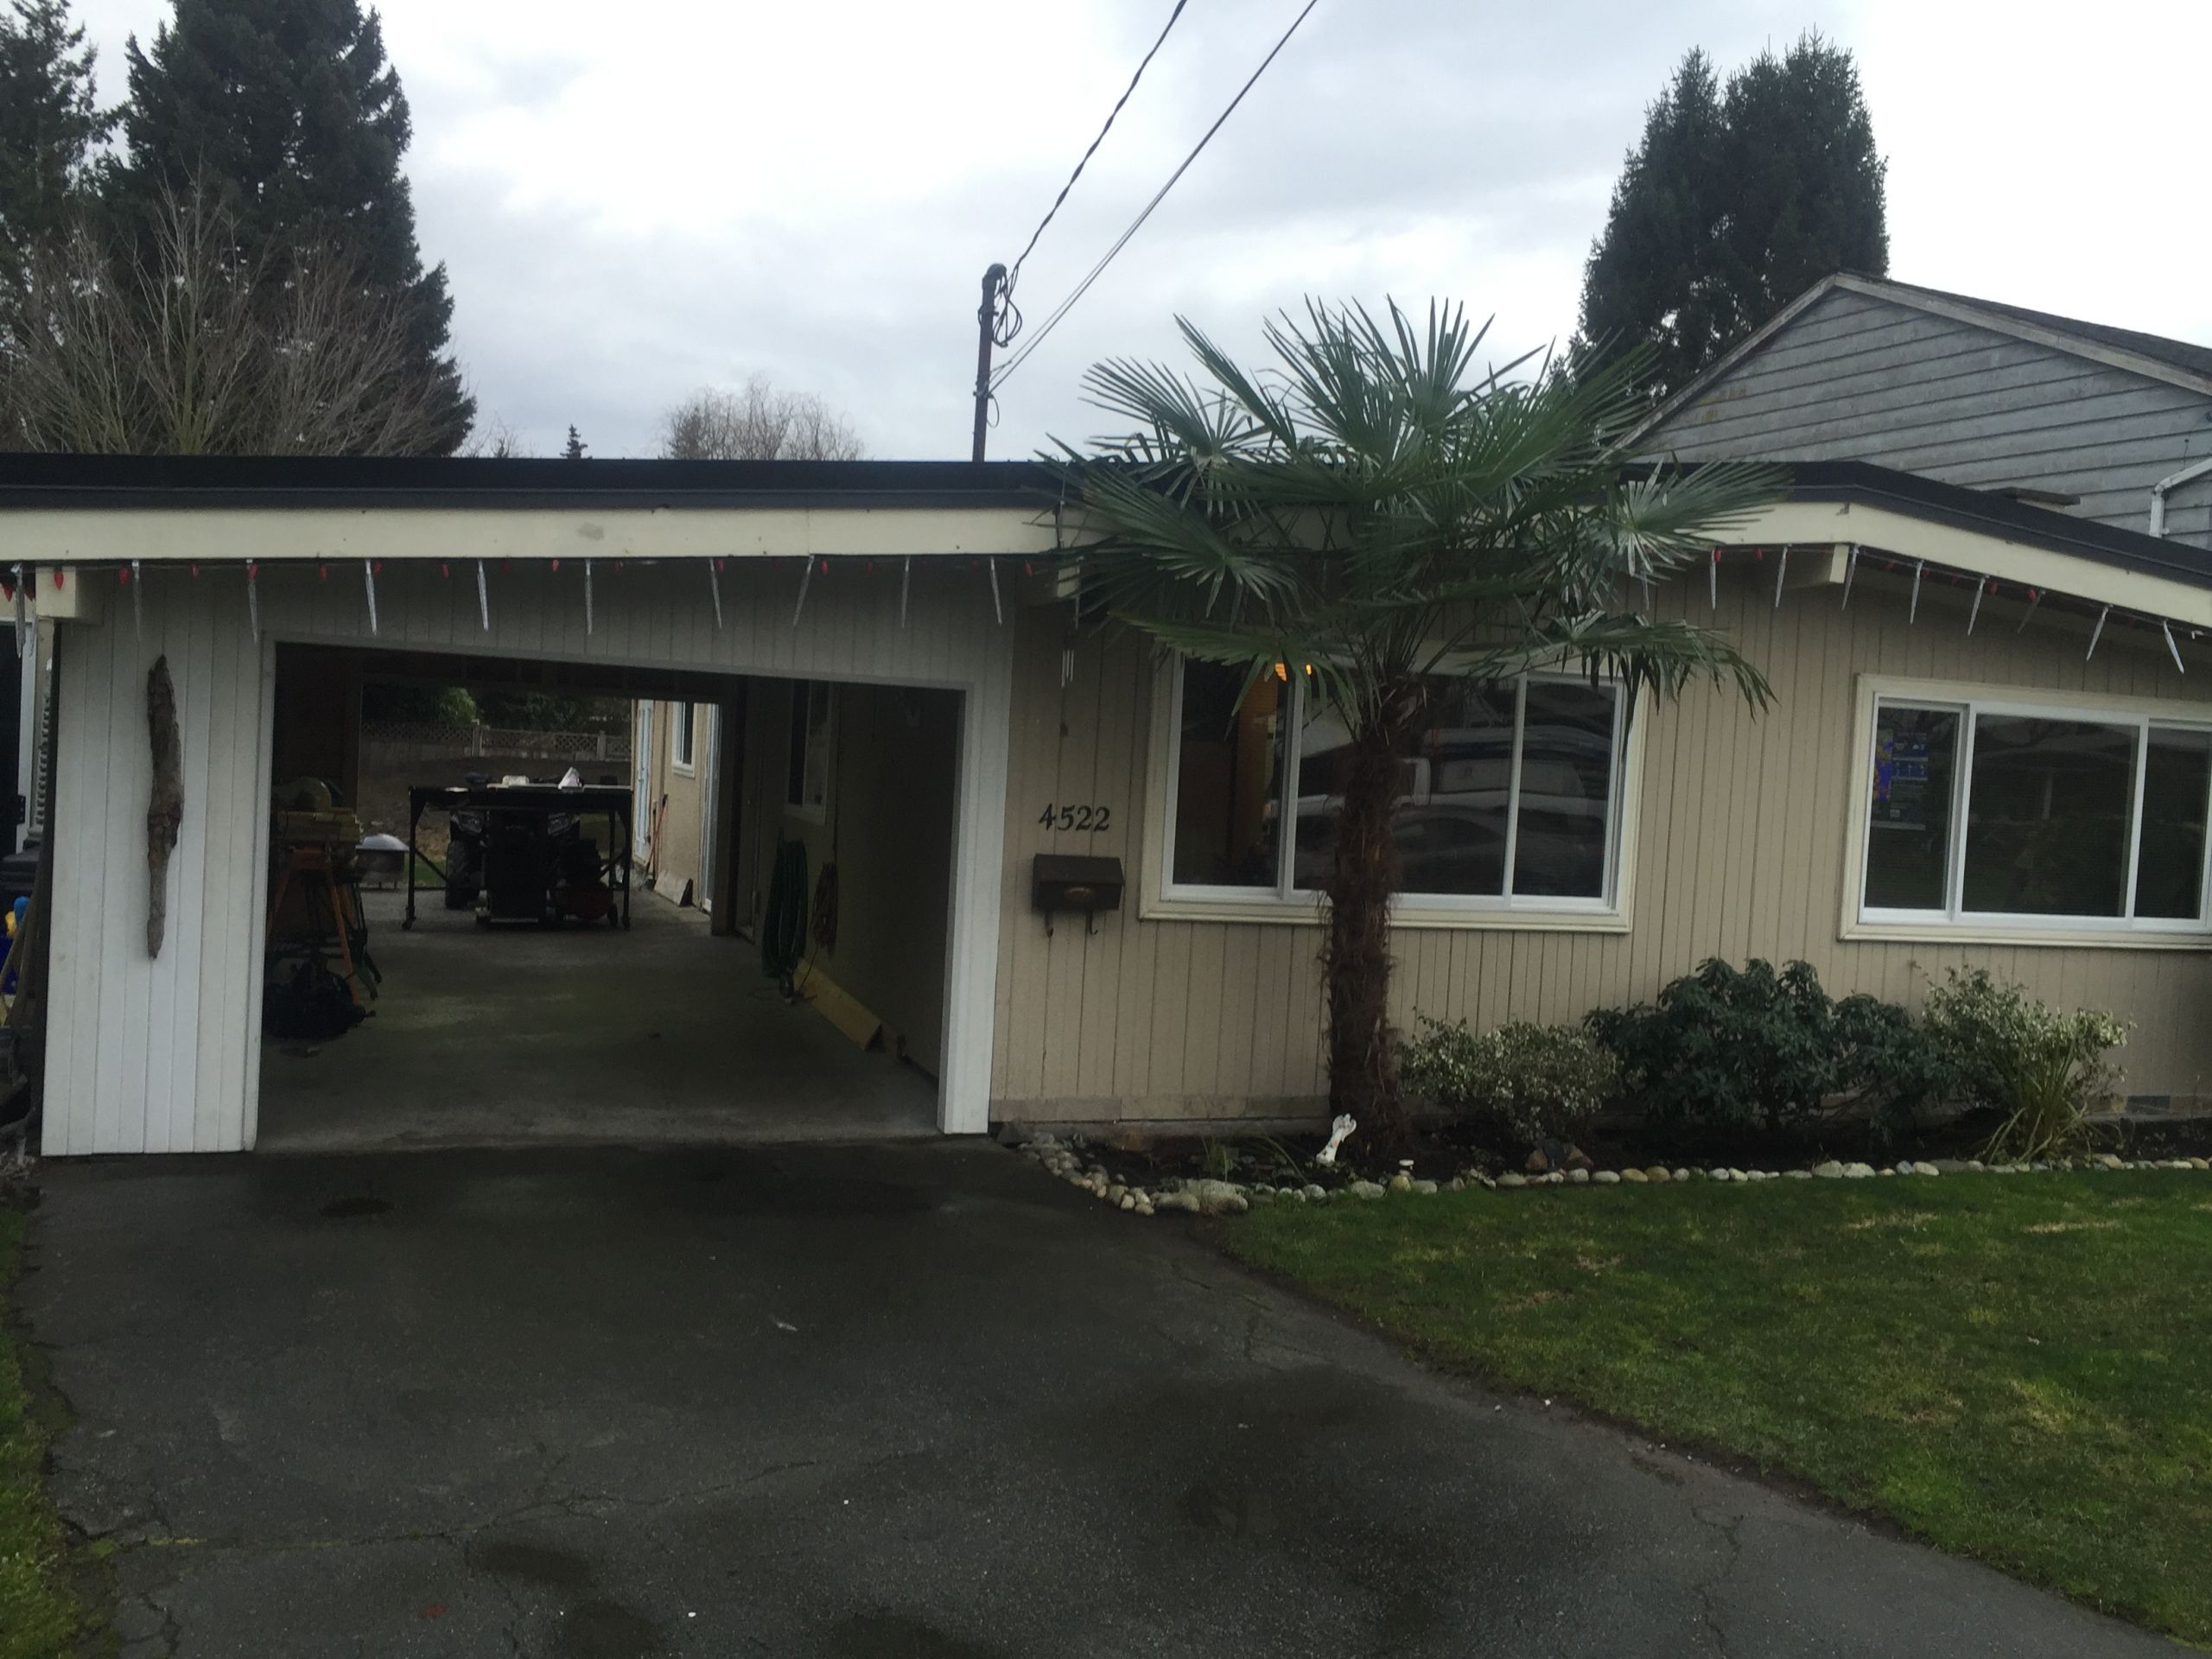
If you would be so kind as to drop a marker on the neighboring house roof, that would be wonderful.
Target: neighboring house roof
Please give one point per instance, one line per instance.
(2174, 361)
(45, 480)
(1846, 482)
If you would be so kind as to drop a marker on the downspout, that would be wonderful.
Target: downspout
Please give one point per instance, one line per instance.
(2158, 491)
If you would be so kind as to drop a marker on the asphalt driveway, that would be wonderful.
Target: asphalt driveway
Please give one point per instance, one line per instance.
(906, 1401)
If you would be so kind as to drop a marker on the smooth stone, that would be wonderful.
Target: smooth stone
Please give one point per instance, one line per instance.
(1738, 1175)
(1552, 1180)
(1184, 1201)
(1401, 1182)
(1655, 1173)
(1635, 1175)
(1216, 1197)
(1457, 1184)
(1718, 1174)
(1607, 1177)
(1830, 1171)
(1858, 1172)
(1885, 1171)
(1125, 1202)
(1366, 1190)
(1143, 1208)
(2200, 1163)
(1315, 1192)
(1509, 1180)
(1976, 1164)
(1797, 1174)
(1578, 1178)
(1117, 1193)
(1682, 1174)
(1424, 1188)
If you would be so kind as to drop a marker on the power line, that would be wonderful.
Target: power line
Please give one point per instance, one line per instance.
(1137, 223)
(1013, 273)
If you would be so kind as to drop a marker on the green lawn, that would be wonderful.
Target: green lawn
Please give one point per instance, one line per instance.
(2017, 1368)
(38, 1615)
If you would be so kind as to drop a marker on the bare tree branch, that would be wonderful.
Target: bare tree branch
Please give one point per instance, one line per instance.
(756, 422)
(182, 344)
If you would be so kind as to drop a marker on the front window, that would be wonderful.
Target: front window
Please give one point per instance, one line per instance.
(1507, 790)
(2008, 814)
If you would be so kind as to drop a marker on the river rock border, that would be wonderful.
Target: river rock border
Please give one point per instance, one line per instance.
(1202, 1196)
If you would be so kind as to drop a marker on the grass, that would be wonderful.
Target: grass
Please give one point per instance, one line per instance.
(2018, 1369)
(38, 1615)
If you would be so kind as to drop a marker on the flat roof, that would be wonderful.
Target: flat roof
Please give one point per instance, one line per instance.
(142, 482)
(50, 481)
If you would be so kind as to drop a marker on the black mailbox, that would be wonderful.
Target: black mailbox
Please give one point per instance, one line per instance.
(1075, 883)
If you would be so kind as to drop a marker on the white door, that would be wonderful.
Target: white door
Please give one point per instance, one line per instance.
(641, 808)
(709, 786)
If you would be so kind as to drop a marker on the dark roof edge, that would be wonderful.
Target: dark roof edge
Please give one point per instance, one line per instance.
(1961, 508)
(367, 482)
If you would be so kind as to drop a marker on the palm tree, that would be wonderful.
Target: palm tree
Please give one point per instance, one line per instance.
(1374, 510)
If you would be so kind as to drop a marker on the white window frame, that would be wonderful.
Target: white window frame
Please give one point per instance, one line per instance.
(1954, 923)
(1167, 899)
(683, 723)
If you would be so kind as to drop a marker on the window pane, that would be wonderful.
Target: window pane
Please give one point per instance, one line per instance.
(1566, 773)
(2170, 868)
(1228, 780)
(1908, 822)
(2047, 819)
(1454, 783)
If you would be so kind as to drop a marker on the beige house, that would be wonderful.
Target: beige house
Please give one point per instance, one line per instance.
(1991, 744)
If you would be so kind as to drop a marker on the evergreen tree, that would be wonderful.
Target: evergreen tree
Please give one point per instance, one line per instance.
(574, 450)
(1734, 203)
(287, 112)
(47, 123)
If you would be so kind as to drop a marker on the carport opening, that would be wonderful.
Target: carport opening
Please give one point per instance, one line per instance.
(729, 925)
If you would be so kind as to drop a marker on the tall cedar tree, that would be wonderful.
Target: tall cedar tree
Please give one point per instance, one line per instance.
(287, 112)
(1734, 204)
(49, 125)
(574, 448)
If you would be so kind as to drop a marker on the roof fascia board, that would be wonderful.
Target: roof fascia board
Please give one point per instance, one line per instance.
(59, 536)
(1954, 547)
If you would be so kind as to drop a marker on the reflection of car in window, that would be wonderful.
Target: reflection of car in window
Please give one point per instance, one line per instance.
(1450, 826)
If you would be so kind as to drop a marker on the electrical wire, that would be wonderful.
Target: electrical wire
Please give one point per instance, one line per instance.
(1082, 288)
(1014, 273)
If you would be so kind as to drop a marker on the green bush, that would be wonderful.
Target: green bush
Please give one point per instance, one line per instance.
(1533, 1081)
(1752, 1048)
(2042, 1069)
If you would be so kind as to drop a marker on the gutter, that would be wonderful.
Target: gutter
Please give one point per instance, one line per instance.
(2173, 481)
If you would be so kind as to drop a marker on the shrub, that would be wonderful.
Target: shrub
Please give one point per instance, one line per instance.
(1533, 1081)
(2042, 1069)
(1752, 1048)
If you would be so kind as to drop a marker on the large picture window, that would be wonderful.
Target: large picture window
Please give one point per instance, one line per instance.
(1997, 813)
(1508, 790)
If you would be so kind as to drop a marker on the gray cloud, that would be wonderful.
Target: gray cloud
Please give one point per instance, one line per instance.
(684, 191)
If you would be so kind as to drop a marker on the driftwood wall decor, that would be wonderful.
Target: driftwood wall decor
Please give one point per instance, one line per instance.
(165, 810)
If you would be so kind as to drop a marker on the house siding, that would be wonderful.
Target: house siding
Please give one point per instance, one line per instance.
(158, 1055)
(1857, 377)
(1739, 848)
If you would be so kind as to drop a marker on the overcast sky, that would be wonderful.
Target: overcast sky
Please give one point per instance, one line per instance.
(634, 200)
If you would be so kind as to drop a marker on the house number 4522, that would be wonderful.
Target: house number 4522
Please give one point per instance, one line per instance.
(1082, 819)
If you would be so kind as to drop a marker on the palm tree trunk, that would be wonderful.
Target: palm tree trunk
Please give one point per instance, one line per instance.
(1363, 878)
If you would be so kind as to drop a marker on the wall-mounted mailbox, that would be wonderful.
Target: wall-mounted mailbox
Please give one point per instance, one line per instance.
(1077, 882)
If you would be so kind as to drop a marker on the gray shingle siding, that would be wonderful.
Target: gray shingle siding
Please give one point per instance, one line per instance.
(1857, 377)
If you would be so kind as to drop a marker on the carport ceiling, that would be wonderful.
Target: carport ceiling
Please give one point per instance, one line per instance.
(513, 674)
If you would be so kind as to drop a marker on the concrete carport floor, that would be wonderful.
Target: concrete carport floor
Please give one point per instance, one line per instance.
(894, 1402)
(516, 1034)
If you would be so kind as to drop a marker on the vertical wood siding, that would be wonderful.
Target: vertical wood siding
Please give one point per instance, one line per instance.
(163, 1055)
(1860, 378)
(1738, 846)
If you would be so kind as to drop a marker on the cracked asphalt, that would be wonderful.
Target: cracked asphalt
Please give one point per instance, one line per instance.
(899, 1402)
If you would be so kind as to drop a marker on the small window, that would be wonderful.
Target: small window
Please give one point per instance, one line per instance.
(682, 726)
(806, 792)
(2009, 815)
(1508, 790)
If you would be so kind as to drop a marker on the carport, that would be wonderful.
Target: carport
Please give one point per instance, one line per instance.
(657, 579)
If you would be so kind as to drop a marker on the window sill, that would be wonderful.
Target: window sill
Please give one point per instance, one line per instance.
(2060, 937)
(1278, 913)
(683, 768)
(807, 814)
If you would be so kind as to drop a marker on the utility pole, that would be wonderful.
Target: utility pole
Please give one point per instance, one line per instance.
(985, 315)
